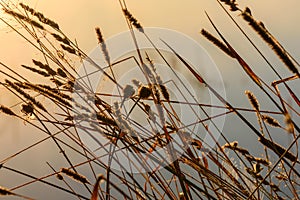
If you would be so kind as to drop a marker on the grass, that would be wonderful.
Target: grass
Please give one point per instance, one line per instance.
(149, 152)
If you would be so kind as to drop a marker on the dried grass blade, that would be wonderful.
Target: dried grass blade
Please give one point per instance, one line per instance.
(293, 95)
(199, 78)
(245, 66)
(96, 186)
(279, 150)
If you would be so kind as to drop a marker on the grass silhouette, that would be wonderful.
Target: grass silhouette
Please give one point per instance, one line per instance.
(190, 168)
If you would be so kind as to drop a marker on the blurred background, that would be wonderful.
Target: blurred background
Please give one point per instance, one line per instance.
(78, 20)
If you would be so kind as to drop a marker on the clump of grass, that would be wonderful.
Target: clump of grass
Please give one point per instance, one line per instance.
(192, 170)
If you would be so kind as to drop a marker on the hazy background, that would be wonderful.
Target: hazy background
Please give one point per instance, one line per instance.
(78, 20)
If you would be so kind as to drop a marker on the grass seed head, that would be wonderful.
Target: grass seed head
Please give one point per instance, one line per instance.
(61, 73)
(59, 177)
(270, 120)
(289, 123)
(133, 20)
(252, 99)
(144, 92)
(78, 177)
(5, 192)
(27, 109)
(43, 73)
(217, 42)
(271, 41)
(71, 50)
(6, 110)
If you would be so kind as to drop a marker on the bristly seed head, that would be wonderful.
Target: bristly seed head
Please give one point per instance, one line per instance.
(61, 39)
(59, 176)
(74, 175)
(27, 109)
(133, 20)
(61, 73)
(270, 120)
(43, 73)
(289, 123)
(103, 45)
(4, 191)
(144, 92)
(252, 100)
(44, 66)
(71, 50)
(247, 10)
(99, 35)
(40, 16)
(217, 42)
(6, 111)
(270, 40)
(232, 4)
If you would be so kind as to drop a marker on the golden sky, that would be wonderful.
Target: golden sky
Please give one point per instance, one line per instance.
(79, 18)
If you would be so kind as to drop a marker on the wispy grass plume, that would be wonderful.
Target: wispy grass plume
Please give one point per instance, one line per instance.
(133, 20)
(217, 42)
(270, 40)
